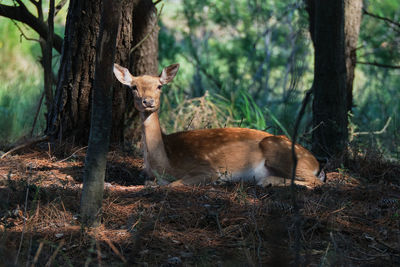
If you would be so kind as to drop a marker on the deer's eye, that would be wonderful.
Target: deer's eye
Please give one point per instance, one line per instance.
(134, 87)
(159, 87)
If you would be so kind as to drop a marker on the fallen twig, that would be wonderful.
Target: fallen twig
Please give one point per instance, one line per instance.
(26, 144)
(38, 251)
(76, 151)
(53, 256)
(98, 253)
(24, 227)
(111, 245)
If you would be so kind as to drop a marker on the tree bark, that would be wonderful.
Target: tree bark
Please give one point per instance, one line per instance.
(96, 158)
(122, 95)
(70, 116)
(330, 94)
(352, 22)
(47, 52)
(144, 58)
(145, 39)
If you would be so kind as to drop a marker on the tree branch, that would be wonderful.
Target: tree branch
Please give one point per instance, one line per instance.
(59, 6)
(20, 13)
(22, 34)
(38, 6)
(26, 144)
(381, 18)
(379, 65)
(381, 131)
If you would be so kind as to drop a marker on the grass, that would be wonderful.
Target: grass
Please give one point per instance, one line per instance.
(216, 111)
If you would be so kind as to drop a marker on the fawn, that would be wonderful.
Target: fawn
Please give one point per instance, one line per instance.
(203, 156)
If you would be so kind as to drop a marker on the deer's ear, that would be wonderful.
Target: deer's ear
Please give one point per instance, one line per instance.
(123, 75)
(168, 73)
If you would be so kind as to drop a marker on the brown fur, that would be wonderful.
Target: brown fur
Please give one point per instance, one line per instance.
(201, 156)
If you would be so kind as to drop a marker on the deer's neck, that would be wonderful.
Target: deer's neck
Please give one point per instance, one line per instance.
(155, 156)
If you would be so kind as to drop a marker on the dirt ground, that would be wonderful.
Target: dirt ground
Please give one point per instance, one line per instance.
(352, 220)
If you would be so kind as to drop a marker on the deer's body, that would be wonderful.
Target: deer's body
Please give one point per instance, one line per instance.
(202, 156)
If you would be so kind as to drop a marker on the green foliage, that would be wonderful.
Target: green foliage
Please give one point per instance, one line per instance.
(253, 58)
(21, 75)
(246, 54)
(21, 84)
(376, 91)
(380, 40)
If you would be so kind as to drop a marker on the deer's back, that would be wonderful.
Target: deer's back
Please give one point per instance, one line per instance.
(219, 150)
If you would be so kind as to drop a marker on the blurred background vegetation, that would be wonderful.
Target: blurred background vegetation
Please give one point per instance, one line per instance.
(21, 77)
(243, 63)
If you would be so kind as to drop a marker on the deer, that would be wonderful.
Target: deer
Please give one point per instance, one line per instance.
(203, 156)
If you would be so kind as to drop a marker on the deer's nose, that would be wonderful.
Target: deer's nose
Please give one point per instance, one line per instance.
(148, 102)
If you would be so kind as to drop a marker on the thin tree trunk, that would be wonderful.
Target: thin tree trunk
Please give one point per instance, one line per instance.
(122, 96)
(145, 28)
(96, 158)
(144, 58)
(352, 22)
(47, 59)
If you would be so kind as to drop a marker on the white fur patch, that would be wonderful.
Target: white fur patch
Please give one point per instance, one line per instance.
(255, 174)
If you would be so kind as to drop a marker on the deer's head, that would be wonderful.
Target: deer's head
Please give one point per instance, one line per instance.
(146, 89)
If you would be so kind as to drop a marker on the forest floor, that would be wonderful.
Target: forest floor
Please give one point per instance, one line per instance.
(352, 220)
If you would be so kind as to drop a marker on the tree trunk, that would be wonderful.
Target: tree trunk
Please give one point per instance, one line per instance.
(144, 58)
(330, 94)
(145, 39)
(47, 58)
(70, 116)
(122, 95)
(96, 157)
(352, 22)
